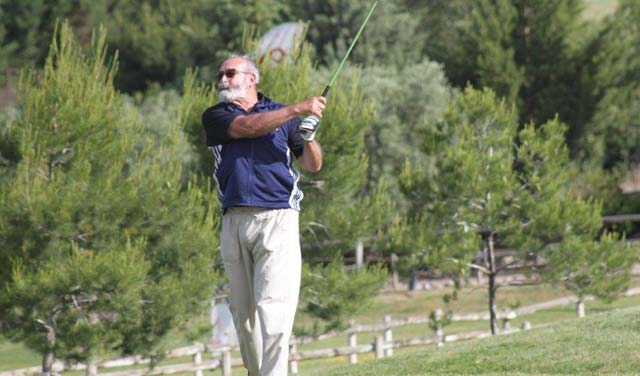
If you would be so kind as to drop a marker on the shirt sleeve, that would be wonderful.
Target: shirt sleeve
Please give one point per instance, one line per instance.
(295, 139)
(216, 121)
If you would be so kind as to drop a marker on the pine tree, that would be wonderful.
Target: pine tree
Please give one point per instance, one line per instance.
(104, 248)
(533, 53)
(494, 186)
(391, 36)
(595, 268)
(404, 108)
(493, 26)
(613, 134)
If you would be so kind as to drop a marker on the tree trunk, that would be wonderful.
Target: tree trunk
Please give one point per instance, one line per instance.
(49, 357)
(491, 258)
(92, 366)
(580, 308)
(92, 362)
(47, 364)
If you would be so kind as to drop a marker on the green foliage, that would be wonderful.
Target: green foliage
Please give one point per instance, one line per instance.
(496, 184)
(404, 107)
(9, 154)
(196, 97)
(333, 294)
(472, 190)
(599, 268)
(390, 37)
(156, 40)
(612, 135)
(534, 53)
(97, 188)
(167, 37)
(86, 299)
(493, 23)
(443, 22)
(27, 28)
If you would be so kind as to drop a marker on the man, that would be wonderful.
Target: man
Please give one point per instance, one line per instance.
(254, 140)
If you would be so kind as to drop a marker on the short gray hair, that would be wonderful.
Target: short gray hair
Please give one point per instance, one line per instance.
(250, 64)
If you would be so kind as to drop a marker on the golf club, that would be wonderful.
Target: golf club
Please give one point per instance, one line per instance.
(309, 125)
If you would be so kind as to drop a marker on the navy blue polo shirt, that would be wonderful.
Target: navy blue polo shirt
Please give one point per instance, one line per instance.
(254, 171)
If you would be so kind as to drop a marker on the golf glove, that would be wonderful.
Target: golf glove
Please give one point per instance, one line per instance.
(309, 127)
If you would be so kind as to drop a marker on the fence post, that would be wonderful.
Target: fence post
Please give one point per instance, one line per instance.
(412, 280)
(197, 361)
(353, 342)
(438, 327)
(506, 321)
(379, 347)
(395, 281)
(388, 337)
(293, 363)
(226, 361)
(359, 254)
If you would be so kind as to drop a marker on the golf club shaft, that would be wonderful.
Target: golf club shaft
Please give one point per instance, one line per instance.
(346, 56)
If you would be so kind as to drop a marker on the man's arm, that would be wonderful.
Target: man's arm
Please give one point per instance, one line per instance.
(257, 125)
(311, 158)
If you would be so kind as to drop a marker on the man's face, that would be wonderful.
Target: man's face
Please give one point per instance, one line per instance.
(234, 82)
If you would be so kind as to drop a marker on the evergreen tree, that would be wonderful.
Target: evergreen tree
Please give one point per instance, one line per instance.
(408, 100)
(595, 268)
(158, 40)
(443, 22)
(492, 28)
(332, 295)
(494, 186)
(391, 36)
(534, 53)
(103, 248)
(27, 28)
(9, 154)
(613, 134)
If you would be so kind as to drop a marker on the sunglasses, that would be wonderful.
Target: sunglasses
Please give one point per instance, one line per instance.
(229, 73)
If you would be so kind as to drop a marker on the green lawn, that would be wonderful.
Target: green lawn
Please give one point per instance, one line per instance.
(14, 356)
(604, 343)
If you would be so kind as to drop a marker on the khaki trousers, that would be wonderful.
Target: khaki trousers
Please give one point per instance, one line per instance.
(261, 254)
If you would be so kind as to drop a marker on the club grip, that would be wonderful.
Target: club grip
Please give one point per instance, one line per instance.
(325, 92)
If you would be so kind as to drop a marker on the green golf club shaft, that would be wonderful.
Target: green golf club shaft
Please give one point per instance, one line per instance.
(346, 56)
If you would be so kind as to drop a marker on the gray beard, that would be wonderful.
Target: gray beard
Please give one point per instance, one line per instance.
(230, 94)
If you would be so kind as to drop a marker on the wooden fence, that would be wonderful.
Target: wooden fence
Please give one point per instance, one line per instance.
(383, 346)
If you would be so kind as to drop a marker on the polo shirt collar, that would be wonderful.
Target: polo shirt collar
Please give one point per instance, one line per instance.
(263, 103)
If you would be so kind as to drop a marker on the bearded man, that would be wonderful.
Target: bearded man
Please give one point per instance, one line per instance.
(254, 140)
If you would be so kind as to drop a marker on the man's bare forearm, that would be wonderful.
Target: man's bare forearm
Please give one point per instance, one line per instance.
(311, 158)
(260, 124)
(257, 125)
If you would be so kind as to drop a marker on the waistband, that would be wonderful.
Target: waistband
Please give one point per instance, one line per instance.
(253, 210)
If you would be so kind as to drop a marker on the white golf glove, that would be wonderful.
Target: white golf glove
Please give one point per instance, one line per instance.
(309, 127)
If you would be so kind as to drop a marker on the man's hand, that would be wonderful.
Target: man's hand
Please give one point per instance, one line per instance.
(312, 106)
(309, 126)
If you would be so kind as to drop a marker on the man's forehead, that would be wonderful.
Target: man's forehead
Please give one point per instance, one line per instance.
(233, 63)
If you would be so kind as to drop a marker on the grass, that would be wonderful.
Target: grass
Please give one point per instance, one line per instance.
(15, 355)
(604, 343)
